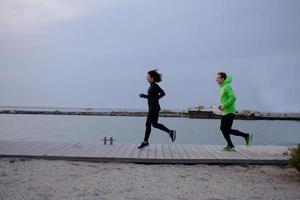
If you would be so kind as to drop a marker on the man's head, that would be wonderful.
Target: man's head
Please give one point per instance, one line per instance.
(221, 76)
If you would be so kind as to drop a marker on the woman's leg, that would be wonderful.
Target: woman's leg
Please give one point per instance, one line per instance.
(148, 127)
(155, 123)
(161, 127)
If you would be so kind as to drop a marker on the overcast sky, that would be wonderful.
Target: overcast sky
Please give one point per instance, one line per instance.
(96, 53)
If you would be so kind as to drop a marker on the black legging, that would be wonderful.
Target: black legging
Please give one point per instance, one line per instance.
(226, 124)
(152, 119)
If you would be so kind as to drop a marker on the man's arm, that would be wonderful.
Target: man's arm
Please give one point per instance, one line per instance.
(231, 97)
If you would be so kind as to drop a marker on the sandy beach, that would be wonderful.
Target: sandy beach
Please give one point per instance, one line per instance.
(42, 179)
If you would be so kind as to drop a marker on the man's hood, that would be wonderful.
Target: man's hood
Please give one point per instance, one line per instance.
(227, 81)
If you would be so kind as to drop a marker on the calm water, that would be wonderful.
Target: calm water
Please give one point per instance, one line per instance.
(91, 129)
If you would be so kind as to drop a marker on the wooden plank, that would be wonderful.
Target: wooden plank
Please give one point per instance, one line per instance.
(121, 151)
(248, 154)
(268, 152)
(181, 152)
(174, 152)
(232, 155)
(167, 153)
(225, 154)
(70, 149)
(21, 147)
(144, 153)
(99, 151)
(78, 151)
(113, 151)
(129, 151)
(263, 159)
(136, 152)
(203, 148)
(252, 155)
(9, 148)
(215, 154)
(40, 149)
(6, 142)
(52, 148)
(194, 151)
(151, 153)
(90, 150)
(200, 152)
(5, 145)
(159, 154)
(189, 152)
(12, 147)
(34, 147)
(269, 149)
(108, 148)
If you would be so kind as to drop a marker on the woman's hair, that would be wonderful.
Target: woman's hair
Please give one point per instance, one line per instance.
(155, 75)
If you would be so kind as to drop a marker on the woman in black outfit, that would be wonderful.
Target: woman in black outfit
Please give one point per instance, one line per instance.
(153, 96)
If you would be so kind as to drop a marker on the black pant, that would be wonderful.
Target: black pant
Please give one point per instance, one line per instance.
(152, 119)
(226, 124)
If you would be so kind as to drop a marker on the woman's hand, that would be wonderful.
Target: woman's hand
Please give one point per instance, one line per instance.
(142, 95)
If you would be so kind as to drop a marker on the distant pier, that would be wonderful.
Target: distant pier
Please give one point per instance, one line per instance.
(164, 113)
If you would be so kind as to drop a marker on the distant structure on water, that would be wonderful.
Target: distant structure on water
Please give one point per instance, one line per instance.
(213, 112)
(200, 112)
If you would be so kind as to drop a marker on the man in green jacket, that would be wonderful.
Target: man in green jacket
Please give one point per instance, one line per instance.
(228, 108)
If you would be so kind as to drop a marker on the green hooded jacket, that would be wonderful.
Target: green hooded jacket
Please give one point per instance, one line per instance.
(227, 96)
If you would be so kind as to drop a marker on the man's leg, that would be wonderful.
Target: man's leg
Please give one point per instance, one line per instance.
(226, 123)
(237, 132)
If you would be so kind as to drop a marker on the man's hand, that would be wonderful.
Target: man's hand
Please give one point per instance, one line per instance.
(221, 108)
(142, 95)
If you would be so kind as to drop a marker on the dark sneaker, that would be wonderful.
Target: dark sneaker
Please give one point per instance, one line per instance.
(228, 148)
(249, 140)
(144, 144)
(173, 135)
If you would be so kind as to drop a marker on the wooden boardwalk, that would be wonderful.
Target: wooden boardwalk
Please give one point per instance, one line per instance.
(155, 153)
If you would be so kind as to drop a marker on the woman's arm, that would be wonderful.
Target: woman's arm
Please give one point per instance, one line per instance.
(144, 96)
(161, 93)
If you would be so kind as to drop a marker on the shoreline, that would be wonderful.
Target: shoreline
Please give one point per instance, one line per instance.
(163, 113)
(89, 113)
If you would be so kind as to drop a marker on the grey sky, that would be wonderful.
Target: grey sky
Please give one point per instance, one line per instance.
(92, 53)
